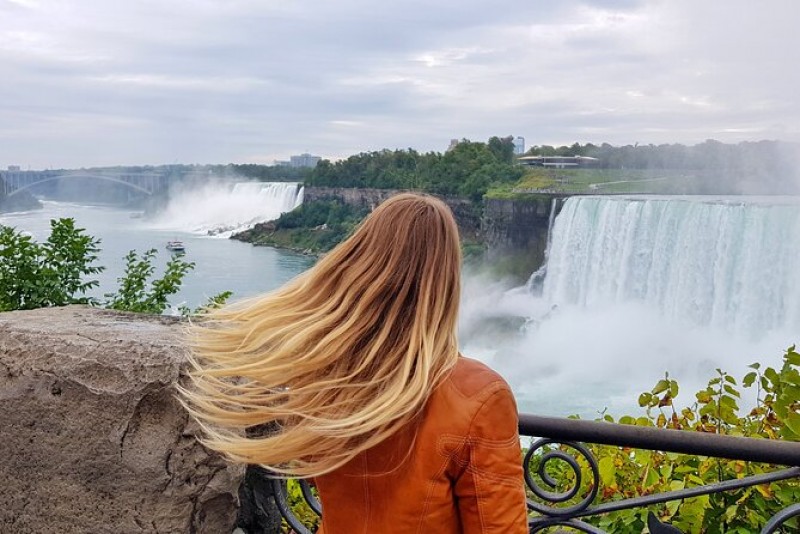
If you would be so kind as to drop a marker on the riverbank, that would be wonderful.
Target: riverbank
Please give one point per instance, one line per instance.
(506, 236)
(307, 241)
(312, 228)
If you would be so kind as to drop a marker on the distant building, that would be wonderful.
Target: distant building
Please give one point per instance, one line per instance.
(303, 160)
(558, 162)
(519, 146)
(453, 144)
(14, 168)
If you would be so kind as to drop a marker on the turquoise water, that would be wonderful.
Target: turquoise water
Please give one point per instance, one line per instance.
(221, 264)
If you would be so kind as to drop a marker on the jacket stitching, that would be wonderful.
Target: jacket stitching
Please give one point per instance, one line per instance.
(494, 443)
(464, 463)
(489, 393)
(487, 389)
(428, 494)
(500, 479)
(458, 441)
(479, 501)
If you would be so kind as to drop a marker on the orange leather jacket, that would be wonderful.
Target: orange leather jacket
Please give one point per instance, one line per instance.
(462, 473)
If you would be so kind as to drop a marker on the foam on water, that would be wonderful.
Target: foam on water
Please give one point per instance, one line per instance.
(220, 209)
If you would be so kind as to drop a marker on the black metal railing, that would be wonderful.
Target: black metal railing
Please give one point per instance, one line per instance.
(562, 440)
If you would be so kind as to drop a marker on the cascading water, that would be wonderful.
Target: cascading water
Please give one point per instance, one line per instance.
(636, 286)
(724, 263)
(220, 209)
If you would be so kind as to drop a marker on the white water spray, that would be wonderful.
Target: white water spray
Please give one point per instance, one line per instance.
(723, 263)
(635, 287)
(219, 209)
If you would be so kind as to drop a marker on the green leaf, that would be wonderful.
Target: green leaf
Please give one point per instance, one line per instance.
(728, 402)
(749, 379)
(607, 470)
(661, 386)
(651, 478)
(792, 423)
(703, 396)
(627, 419)
(732, 391)
(772, 375)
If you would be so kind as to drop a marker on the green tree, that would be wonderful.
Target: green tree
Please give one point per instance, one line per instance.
(34, 275)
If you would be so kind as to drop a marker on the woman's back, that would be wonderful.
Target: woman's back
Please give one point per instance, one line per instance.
(354, 368)
(456, 469)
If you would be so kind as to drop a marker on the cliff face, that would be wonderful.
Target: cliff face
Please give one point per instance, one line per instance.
(516, 231)
(467, 215)
(366, 198)
(512, 231)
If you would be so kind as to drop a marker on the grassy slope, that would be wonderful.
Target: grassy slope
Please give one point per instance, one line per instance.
(576, 181)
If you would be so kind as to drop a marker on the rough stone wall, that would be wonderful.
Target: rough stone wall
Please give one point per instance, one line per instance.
(91, 436)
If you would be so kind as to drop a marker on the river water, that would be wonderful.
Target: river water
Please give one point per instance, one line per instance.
(635, 287)
(221, 264)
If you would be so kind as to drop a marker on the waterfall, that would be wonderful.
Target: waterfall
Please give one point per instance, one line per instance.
(220, 209)
(728, 263)
(636, 286)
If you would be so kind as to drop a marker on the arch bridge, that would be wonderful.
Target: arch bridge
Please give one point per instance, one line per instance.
(148, 183)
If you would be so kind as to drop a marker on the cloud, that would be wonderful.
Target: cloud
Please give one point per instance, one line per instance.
(91, 82)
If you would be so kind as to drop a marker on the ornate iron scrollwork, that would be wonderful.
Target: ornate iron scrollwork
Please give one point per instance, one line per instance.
(564, 445)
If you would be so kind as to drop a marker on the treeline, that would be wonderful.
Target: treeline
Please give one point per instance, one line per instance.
(747, 167)
(467, 169)
(710, 154)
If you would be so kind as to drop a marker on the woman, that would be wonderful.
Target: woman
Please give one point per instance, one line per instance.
(353, 370)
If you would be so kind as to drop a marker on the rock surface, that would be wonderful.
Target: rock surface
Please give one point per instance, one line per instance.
(92, 437)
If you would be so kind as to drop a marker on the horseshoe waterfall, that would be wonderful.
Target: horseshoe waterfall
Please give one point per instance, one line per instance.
(222, 209)
(636, 286)
(727, 263)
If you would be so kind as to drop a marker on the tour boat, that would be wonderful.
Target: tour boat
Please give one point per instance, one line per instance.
(176, 246)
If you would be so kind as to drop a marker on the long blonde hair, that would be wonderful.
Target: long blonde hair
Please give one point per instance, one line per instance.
(341, 357)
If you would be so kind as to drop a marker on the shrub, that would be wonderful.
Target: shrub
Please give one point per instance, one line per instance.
(34, 275)
(135, 296)
(626, 472)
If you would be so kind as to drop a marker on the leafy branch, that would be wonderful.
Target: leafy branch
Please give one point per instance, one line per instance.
(134, 295)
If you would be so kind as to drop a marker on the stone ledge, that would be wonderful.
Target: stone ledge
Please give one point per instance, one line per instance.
(93, 438)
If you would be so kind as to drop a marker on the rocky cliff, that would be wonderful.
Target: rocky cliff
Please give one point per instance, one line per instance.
(466, 213)
(515, 230)
(92, 437)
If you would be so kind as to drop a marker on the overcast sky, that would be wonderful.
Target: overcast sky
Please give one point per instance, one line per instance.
(106, 82)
